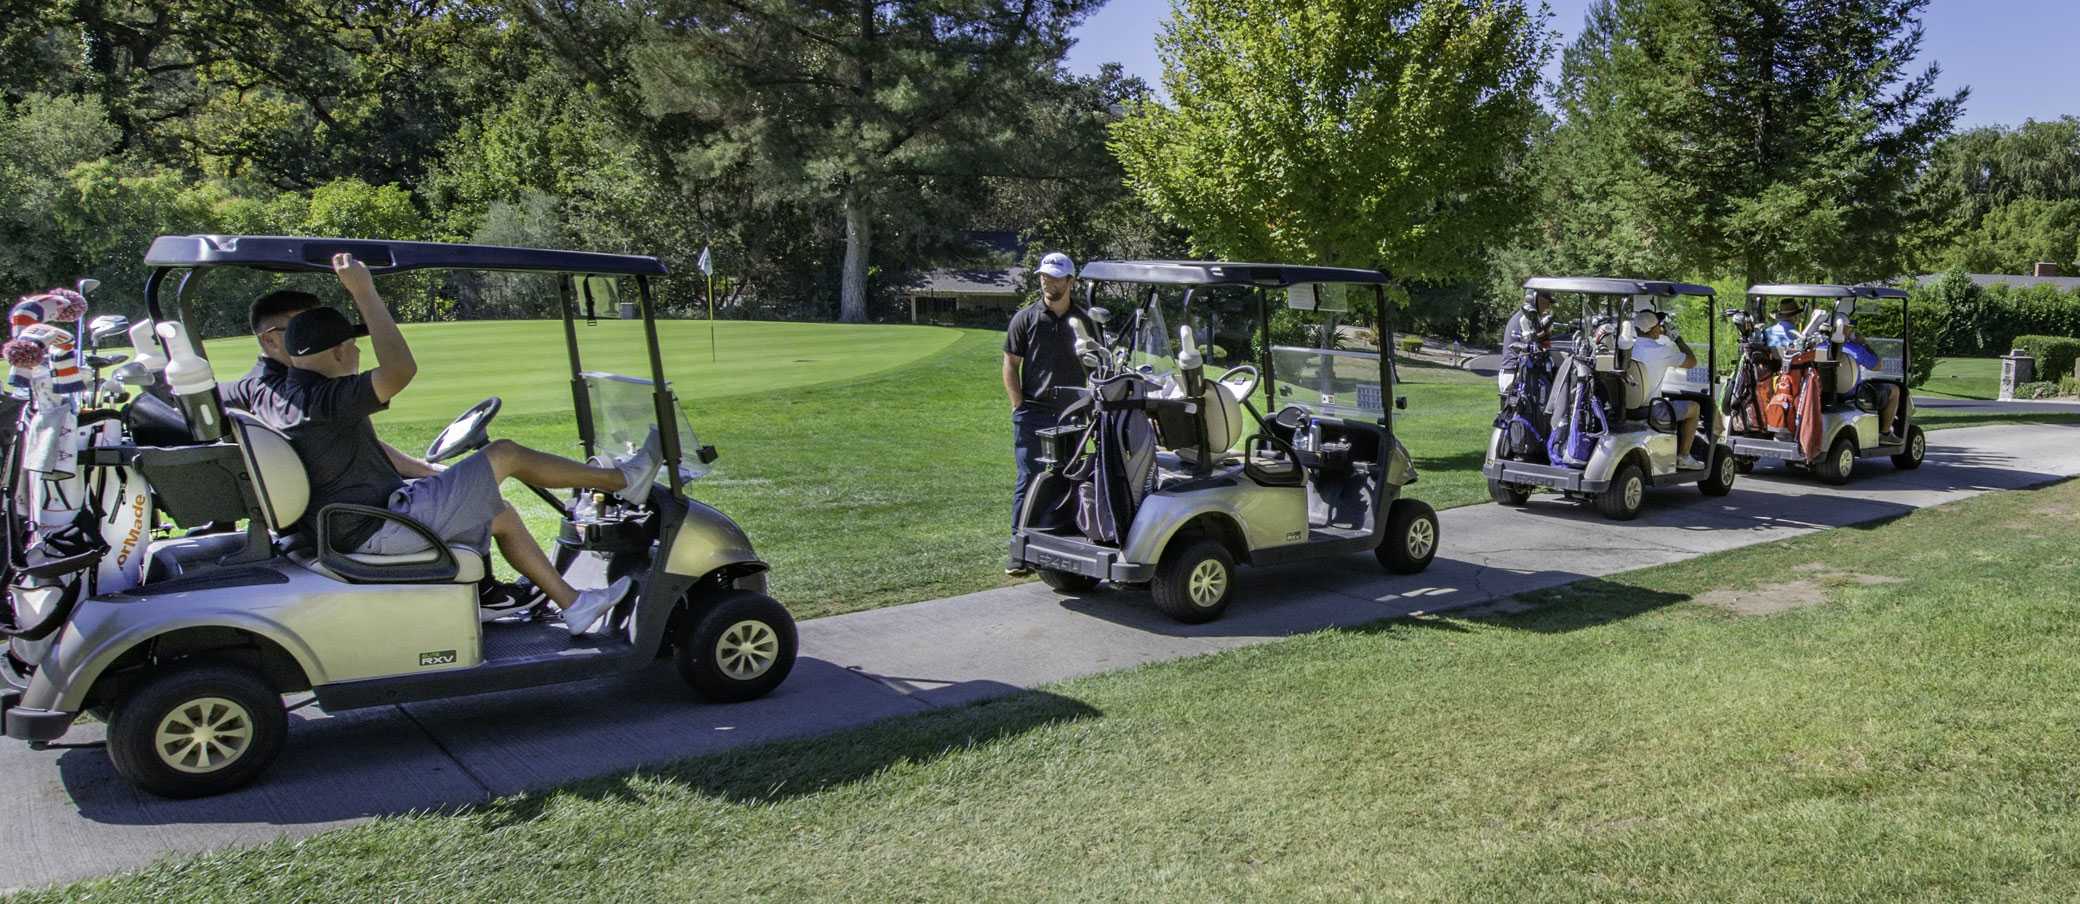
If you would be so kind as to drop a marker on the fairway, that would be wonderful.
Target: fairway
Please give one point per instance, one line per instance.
(524, 361)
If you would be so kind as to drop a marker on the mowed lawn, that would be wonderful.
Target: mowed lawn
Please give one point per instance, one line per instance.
(1871, 713)
(1964, 378)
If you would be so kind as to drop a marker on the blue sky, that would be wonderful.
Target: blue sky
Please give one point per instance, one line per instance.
(2020, 57)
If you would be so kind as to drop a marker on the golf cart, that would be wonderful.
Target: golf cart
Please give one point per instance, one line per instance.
(1595, 430)
(1813, 405)
(190, 662)
(1144, 483)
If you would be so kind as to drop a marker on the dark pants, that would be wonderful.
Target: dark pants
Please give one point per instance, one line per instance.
(1026, 448)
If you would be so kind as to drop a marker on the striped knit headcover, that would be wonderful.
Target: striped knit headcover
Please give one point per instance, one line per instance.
(30, 321)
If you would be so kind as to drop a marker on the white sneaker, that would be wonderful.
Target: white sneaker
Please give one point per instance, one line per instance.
(593, 605)
(1687, 463)
(640, 470)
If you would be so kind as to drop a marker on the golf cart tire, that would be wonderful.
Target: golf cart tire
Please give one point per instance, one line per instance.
(1412, 537)
(135, 722)
(751, 623)
(1744, 465)
(1917, 449)
(1172, 587)
(1067, 581)
(1834, 468)
(1621, 501)
(1723, 468)
(1509, 494)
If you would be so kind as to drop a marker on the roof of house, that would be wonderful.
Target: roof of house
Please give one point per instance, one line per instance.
(2062, 283)
(968, 281)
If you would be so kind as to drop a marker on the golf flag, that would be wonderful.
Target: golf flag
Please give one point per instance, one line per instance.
(707, 267)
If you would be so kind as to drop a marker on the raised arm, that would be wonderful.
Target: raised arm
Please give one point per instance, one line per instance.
(394, 365)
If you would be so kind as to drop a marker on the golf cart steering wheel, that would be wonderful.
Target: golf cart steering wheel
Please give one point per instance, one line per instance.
(467, 433)
(1241, 379)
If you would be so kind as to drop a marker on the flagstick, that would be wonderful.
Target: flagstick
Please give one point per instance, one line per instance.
(711, 318)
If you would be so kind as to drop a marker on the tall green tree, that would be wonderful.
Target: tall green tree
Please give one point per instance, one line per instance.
(872, 109)
(1777, 140)
(1979, 172)
(1372, 133)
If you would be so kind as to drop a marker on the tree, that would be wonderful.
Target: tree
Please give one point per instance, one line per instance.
(1976, 172)
(874, 108)
(1372, 133)
(1778, 140)
(2012, 237)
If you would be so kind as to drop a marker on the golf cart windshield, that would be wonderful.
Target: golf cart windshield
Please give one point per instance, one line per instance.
(624, 412)
(1326, 382)
(1892, 359)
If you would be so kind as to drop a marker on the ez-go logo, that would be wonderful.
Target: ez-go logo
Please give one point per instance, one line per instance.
(441, 657)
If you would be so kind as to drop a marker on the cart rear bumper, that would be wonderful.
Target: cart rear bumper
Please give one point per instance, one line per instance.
(25, 724)
(1077, 556)
(1552, 477)
(1752, 447)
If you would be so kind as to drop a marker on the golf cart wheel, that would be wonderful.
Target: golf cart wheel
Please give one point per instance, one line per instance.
(1834, 469)
(1508, 494)
(1744, 464)
(1917, 449)
(1195, 581)
(1412, 536)
(1628, 490)
(197, 729)
(1067, 582)
(1723, 468)
(739, 647)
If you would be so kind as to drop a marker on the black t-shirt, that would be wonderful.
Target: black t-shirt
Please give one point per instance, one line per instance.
(327, 421)
(1047, 345)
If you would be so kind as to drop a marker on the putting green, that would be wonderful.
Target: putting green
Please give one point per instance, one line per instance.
(523, 361)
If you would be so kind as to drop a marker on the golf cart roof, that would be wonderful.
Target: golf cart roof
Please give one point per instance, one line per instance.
(1821, 290)
(1603, 285)
(298, 253)
(1221, 273)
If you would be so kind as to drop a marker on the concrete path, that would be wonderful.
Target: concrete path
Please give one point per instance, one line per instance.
(74, 818)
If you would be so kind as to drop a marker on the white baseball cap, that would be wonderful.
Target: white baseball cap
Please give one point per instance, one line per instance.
(1057, 265)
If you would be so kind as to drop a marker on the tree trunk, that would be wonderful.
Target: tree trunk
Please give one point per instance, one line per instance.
(852, 292)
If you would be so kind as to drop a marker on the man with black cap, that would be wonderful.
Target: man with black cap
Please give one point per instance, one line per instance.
(324, 403)
(1039, 356)
(260, 392)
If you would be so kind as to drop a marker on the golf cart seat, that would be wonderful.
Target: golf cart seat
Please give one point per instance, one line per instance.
(1637, 394)
(283, 488)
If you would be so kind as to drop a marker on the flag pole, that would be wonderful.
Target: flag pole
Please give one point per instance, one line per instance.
(711, 318)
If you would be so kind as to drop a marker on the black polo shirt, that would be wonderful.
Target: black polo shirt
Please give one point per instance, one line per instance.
(327, 421)
(1047, 346)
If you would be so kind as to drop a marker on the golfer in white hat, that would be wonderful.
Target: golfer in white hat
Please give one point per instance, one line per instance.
(1039, 356)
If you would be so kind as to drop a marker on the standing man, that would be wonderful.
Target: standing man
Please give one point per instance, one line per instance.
(1040, 355)
(1524, 328)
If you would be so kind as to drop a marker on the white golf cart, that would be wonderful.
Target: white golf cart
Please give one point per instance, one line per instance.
(190, 655)
(1811, 405)
(1600, 433)
(1145, 483)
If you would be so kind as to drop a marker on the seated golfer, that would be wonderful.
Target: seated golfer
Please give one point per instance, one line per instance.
(1784, 333)
(325, 403)
(260, 392)
(1657, 350)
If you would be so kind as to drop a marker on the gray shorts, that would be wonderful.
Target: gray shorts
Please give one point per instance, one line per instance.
(457, 505)
(1685, 409)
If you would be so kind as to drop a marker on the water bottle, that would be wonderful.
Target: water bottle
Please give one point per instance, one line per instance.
(194, 385)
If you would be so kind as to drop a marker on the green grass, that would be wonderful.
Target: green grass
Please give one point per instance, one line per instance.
(1964, 378)
(1903, 732)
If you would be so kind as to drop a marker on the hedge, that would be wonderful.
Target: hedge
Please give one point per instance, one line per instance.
(2055, 354)
(1984, 322)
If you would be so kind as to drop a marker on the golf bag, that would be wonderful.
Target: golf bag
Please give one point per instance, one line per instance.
(1525, 424)
(1587, 419)
(1116, 476)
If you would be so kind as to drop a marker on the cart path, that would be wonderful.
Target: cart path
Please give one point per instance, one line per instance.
(74, 818)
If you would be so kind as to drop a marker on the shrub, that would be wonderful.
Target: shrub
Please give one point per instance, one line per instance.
(2055, 354)
(2041, 389)
(1410, 344)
